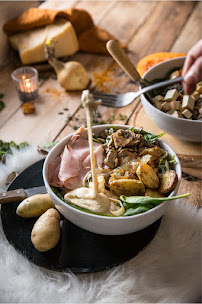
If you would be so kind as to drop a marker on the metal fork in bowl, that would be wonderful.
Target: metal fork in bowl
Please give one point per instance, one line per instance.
(123, 100)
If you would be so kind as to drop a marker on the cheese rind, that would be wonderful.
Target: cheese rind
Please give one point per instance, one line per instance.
(31, 44)
(158, 98)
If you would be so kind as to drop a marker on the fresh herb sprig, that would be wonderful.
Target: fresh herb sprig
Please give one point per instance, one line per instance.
(148, 137)
(7, 147)
(139, 204)
(97, 140)
(2, 104)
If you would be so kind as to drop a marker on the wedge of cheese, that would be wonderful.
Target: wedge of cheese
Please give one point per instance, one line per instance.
(30, 44)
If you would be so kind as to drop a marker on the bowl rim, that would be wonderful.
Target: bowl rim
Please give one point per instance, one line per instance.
(163, 113)
(122, 218)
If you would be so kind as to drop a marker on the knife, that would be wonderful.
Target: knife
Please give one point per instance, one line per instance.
(19, 195)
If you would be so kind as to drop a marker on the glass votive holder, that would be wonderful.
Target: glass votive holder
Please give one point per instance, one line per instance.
(26, 83)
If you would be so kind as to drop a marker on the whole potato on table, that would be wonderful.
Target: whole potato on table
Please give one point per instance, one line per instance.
(35, 205)
(46, 231)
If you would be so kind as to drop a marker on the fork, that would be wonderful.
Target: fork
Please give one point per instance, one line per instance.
(123, 100)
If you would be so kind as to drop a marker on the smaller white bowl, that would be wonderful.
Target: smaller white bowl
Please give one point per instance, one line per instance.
(103, 224)
(189, 130)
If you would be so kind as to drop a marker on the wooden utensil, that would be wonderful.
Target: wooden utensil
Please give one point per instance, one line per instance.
(20, 194)
(123, 60)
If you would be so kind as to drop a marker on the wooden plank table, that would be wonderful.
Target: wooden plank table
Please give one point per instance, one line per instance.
(145, 27)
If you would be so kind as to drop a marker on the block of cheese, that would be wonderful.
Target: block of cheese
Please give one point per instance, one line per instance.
(187, 113)
(157, 104)
(165, 106)
(177, 114)
(195, 95)
(188, 103)
(158, 98)
(30, 44)
(175, 104)
(171, 95)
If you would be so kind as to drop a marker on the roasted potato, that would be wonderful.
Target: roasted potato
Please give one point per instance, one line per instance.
(168, 181)
(46, 231)
(34, 205)
(156, 152)
(128, 187)
(28, 107)
(153, 193)
(148, 176)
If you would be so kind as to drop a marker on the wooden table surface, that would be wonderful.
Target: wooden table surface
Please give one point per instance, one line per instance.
(145, 27)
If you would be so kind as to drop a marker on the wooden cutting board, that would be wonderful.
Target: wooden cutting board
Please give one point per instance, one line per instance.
(189, 153)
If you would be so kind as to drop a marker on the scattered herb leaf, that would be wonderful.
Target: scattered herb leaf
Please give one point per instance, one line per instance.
(49, 145)
(7, 147)
(2, 105)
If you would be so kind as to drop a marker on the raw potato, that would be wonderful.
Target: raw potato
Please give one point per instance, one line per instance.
(73, 77)
(46, 231)
(34, 205)
(168, 181)
(153, 193)
(128, 187)
(148, 176)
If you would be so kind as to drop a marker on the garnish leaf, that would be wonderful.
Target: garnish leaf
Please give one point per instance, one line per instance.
(172, 160)
(150, 138)
(162, 168)
(132, 202)
(97, 141)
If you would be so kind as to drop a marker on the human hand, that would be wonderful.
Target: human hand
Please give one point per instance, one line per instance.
(192, 70)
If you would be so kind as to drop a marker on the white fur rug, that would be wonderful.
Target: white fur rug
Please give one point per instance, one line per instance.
(167, 271)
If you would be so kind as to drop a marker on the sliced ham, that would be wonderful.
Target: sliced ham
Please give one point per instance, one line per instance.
(53, 171)
(71, 167)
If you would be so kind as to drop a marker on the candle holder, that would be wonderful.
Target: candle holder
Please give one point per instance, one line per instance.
(26, 83)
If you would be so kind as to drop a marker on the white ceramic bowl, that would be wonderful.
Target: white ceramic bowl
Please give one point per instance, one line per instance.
(189, 130)
(103, 224)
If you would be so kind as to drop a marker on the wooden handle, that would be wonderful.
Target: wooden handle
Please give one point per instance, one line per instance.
(122, 59)
(12, 196)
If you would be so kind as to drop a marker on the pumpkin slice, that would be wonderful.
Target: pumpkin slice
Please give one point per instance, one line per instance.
(150, 60)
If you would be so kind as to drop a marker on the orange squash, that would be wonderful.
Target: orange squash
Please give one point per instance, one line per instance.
(150, 60)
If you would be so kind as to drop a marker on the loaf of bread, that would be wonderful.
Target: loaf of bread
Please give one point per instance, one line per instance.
(30, 44)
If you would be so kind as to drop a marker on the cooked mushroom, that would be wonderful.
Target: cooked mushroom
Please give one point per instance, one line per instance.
(111, 159)
(124, 156)
(122, 138)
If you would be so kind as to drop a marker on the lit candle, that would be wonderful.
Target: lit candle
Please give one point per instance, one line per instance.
(26, 82)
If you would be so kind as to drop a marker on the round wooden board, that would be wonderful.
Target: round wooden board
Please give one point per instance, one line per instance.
(189, 153)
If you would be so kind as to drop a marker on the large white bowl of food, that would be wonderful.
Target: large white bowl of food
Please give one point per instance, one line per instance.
(112, 180)
(170, 108)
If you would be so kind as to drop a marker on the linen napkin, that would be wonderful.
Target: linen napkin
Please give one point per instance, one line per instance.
(92, 39)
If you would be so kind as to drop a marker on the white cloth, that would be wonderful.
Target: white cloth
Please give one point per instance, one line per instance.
(168, 270)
